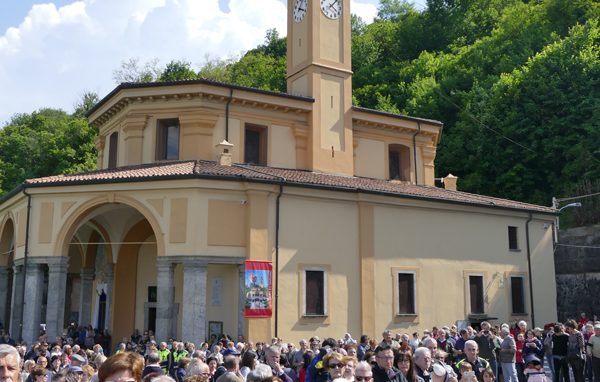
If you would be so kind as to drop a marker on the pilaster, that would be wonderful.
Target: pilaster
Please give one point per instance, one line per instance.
(16, 300)
(165, 286)
(4, 308)
(194, 300)
(108, 280)
(85, 296)
(57, 284)
(32, 309)
(241, 300)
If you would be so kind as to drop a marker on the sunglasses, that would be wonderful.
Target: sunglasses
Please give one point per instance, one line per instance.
(336, 365)
(360, 379)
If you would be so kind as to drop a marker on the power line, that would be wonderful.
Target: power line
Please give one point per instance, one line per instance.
(577, 197)
(578, 246)
(484, 125)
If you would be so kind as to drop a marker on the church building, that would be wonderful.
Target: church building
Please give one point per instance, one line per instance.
(195, 178)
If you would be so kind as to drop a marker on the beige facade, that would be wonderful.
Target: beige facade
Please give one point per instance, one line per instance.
(341, 199)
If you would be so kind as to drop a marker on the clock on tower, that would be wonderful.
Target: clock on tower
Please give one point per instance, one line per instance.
(319, 66)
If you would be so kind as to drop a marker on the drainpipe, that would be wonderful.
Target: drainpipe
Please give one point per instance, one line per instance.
(277, 209)
(529, 269)
(227, 114)
(414, 139)
(277, 226)
(25, 258)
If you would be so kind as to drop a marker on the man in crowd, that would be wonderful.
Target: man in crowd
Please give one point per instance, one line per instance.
(9, 364)
(385, 371)
(593, 349)
(459, 347)
(297, 358)
(506, 356)
(152, 365)
(486, 341)
(388, 340)
(363, 372)
(472, 356)
(273, 359)
(422, 362)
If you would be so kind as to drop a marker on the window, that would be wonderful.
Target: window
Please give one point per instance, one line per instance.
(476, 294)
(513, 243)
(315, 292)
(112, 150)
(255, 145)
(517, 291)
(399, 161)
(167, 139)
(406, 298)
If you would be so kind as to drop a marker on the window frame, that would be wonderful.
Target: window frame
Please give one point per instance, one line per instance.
(325, 291)
(162, 125)
(397, 273)
(468, 307)
(523, 292)
(403, 152)
(113, 150)
(263, 142)
(513, 236)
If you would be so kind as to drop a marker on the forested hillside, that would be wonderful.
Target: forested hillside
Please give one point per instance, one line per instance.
(516, 84)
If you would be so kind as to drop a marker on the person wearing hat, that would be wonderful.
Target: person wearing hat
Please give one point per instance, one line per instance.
(77, 360)
(534, 372)
(593, 350)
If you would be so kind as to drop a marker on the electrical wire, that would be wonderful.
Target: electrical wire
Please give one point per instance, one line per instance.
(577, 197)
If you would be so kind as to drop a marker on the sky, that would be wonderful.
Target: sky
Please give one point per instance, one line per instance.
(52, 52)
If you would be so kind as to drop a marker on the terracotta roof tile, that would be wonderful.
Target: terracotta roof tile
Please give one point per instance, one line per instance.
(210, 169)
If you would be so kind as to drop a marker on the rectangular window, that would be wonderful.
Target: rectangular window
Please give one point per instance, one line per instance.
(112, 150)
(399, 162)
(513, 243)
(406, 293)
(255, 144)
(167, 139)
(517, 290)
(476, 291)
(315, 292)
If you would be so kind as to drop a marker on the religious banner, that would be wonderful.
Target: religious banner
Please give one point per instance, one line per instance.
(258, 289)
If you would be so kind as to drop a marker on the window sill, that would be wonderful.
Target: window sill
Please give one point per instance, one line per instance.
(514, 250)
(403, 318)
(519, 314)
(315, 319)
(314, 316)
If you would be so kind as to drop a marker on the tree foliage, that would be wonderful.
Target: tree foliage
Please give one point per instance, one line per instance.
(45, 142)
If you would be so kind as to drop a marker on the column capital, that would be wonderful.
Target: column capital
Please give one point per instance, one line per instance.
(58, 264)
(165, 264)
(87, 272)
(34, 268)
(191, 262)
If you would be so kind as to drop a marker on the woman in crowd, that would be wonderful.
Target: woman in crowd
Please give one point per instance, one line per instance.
(350, 362)
(248, 362)
(519, 362)
(333, 367)
(306, 358)
(39, 374)
(403, 360)
(122, 367)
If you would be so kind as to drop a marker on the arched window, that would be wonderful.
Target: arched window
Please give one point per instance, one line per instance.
(399, 162)
(113, 145)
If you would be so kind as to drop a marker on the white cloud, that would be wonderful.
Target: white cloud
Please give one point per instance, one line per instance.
(56, 53)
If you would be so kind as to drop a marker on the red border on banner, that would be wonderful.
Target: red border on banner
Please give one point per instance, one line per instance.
(258, 289)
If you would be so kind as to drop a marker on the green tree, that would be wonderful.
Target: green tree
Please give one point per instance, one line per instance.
(45, 142)
(177, 71)
(87, 101)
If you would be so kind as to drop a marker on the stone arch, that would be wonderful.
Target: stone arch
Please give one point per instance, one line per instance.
(7, 240)
(69, 227)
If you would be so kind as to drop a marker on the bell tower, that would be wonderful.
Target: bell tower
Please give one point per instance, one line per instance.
(319, 66)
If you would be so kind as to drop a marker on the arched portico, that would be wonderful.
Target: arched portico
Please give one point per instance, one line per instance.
(7, 251)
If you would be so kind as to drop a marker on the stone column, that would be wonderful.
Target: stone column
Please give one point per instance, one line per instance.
(108, 280)
(165, 289)
(193, 326)
(85, 296)
(4, 309)
(57, 289)
(242, 300)
(16, 301)
(32, 309)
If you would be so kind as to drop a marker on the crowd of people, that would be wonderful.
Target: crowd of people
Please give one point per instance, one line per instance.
(486, 353)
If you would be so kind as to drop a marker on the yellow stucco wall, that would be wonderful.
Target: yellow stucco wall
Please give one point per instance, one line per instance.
(370, 159)
(146, 276)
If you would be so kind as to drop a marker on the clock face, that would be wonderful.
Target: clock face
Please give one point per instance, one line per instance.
(332, 8)
(300, 7)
